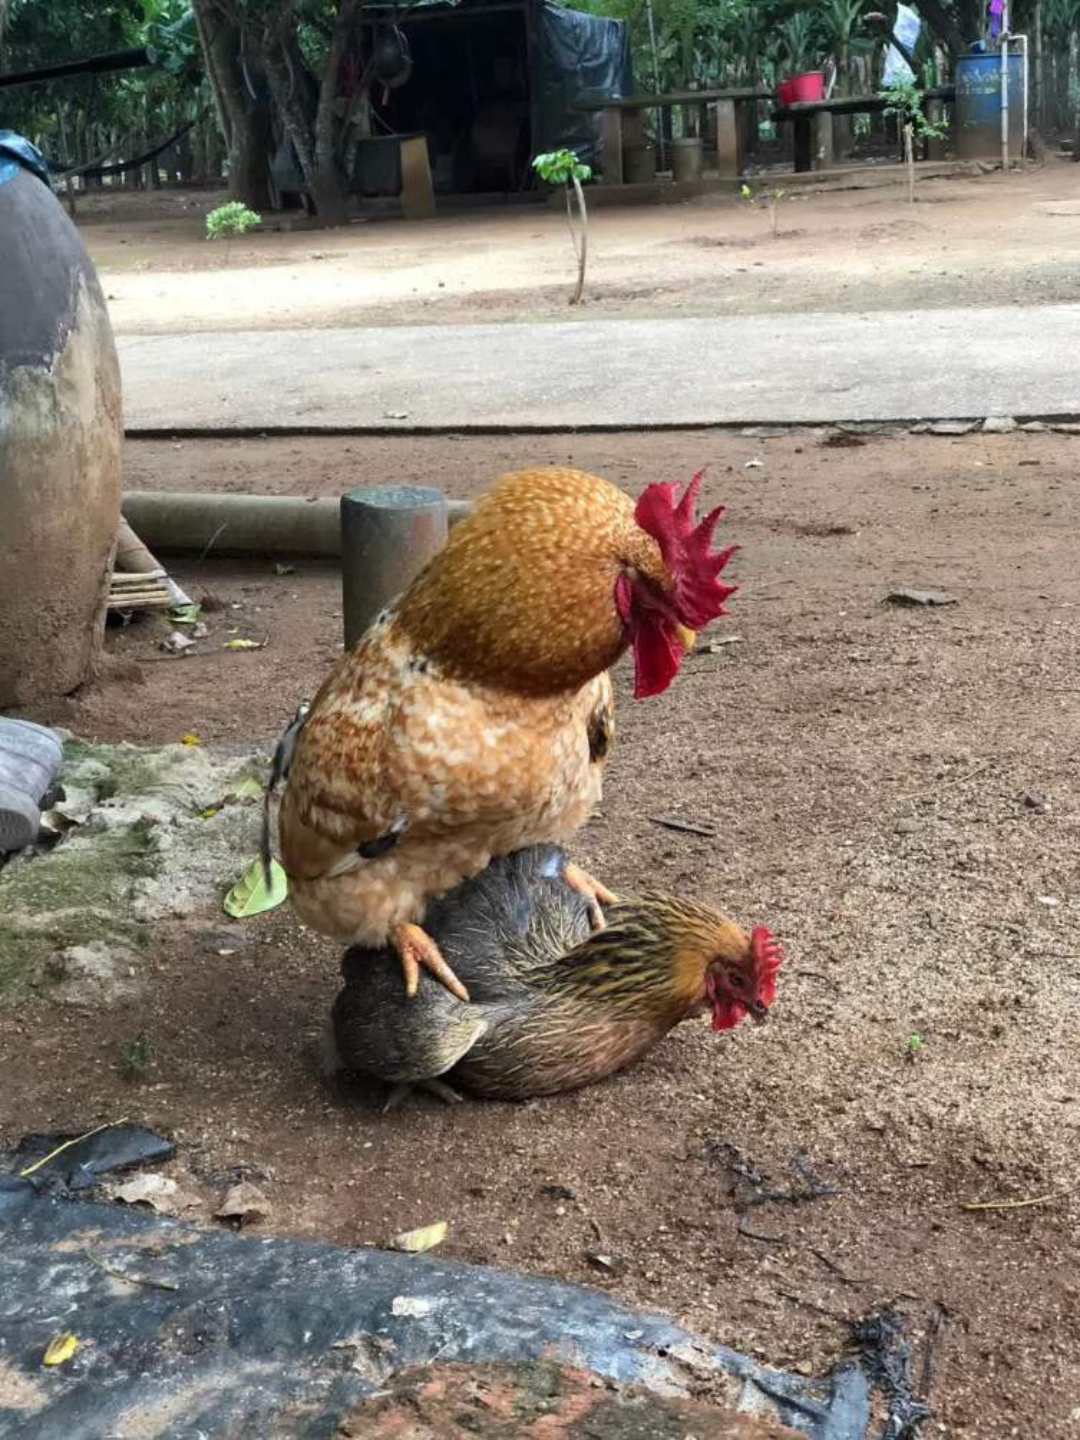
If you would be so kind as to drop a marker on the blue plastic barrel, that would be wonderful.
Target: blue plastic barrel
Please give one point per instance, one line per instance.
(978, 106)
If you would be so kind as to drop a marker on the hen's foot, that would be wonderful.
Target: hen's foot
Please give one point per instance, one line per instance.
(595, 893)
(416, 948)
(439, 1088)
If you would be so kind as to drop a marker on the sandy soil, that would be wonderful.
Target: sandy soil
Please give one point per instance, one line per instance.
(893, 790)
(965, 242)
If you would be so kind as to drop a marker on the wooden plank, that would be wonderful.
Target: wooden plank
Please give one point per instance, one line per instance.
(853, 104)
(675, 97)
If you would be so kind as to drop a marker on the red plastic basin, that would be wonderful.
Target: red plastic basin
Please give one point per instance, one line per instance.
(808, 86)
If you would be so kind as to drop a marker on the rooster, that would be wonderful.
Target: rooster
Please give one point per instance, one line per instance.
(554, 1004)
(473, 717)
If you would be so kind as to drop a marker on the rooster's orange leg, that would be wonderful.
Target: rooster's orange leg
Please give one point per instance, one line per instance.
(415, 947)
(595, 893)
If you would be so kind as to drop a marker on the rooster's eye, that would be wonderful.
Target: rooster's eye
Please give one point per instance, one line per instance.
(735, 979)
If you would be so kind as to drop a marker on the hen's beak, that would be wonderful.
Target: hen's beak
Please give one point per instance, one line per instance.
(758, 1011)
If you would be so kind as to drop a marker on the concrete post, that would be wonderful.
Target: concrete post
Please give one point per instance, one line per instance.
(727, 140)
(388, 534)
(824, 141)
(611, 155)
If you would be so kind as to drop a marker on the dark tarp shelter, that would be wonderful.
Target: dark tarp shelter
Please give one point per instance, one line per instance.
(490, 83)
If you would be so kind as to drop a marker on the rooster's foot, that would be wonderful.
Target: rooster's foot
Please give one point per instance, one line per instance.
(416, 948)
(439, 1088)
(595, 893)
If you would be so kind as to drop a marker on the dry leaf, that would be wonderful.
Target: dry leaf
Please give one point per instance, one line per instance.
(60, 1349)
(415, 1242)
(190, 740)
(240, 644)
(158, 1191)
(244, 1202)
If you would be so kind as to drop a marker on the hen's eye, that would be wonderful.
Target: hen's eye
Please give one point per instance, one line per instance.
(735, 979)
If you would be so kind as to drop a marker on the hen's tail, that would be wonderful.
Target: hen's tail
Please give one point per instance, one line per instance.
(279, 772)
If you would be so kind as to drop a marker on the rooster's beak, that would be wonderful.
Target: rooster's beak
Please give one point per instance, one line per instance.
(759, 1012)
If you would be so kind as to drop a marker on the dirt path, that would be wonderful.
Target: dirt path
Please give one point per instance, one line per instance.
(981, 241)
(893, 790)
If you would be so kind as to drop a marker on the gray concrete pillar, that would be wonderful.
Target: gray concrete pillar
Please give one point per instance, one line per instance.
(388, 534)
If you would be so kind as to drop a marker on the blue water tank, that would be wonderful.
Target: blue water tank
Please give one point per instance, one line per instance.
(978, 106)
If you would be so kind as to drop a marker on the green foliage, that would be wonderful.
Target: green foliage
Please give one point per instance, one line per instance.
(769, 198)
(560, 167)
(76, 117)
(905, 101)
(230, 220)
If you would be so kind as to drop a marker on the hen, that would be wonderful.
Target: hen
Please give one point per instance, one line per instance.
(554, 1006)
(473, 716)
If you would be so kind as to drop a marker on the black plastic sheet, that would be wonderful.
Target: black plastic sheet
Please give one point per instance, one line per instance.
(187, 1332)
(576, 58)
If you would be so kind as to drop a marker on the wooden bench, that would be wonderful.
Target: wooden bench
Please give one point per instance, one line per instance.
(623, 125)
(815, 147)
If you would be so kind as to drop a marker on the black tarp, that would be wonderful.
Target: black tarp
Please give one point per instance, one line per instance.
(576, 58)
(490, 86)
(186, 1332)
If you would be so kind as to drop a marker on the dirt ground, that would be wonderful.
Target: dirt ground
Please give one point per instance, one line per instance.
(892, 790)
(984, 241)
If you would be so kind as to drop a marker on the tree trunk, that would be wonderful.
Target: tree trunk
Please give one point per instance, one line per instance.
(315, 150)
(243, 123)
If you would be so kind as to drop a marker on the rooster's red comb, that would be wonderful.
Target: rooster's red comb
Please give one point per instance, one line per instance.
(686, 548)
(768, 956)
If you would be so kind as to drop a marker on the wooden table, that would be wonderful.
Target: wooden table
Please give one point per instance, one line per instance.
(624, 125)
(815, 148)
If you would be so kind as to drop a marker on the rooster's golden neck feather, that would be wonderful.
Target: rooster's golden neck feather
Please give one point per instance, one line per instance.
(523, 595)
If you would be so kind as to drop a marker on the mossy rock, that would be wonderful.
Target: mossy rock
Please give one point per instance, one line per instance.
(145, 847)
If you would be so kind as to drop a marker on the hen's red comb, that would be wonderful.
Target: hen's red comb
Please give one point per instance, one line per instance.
(686, 548)
(768, 956)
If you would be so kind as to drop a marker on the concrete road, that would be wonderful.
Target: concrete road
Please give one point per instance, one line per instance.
(933, 364)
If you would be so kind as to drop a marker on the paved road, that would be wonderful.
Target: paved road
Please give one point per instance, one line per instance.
(933, 364)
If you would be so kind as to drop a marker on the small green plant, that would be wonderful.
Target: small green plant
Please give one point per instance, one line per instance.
(915, 1045)
(905, 101)
(136, 1056)
(228, 221)
(769, 200)
(562, 167)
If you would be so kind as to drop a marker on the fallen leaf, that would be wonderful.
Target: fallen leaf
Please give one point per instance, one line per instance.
(158, 1191)
(240, 644)
(190, 740)
(209, 812)
(248, 789)
(396, 414)
(226, 952)
(245, 1203)
(415, 1242)
(753, 464)
(60, 1349)
(280, 569)
(713, 647)
(251, 895)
